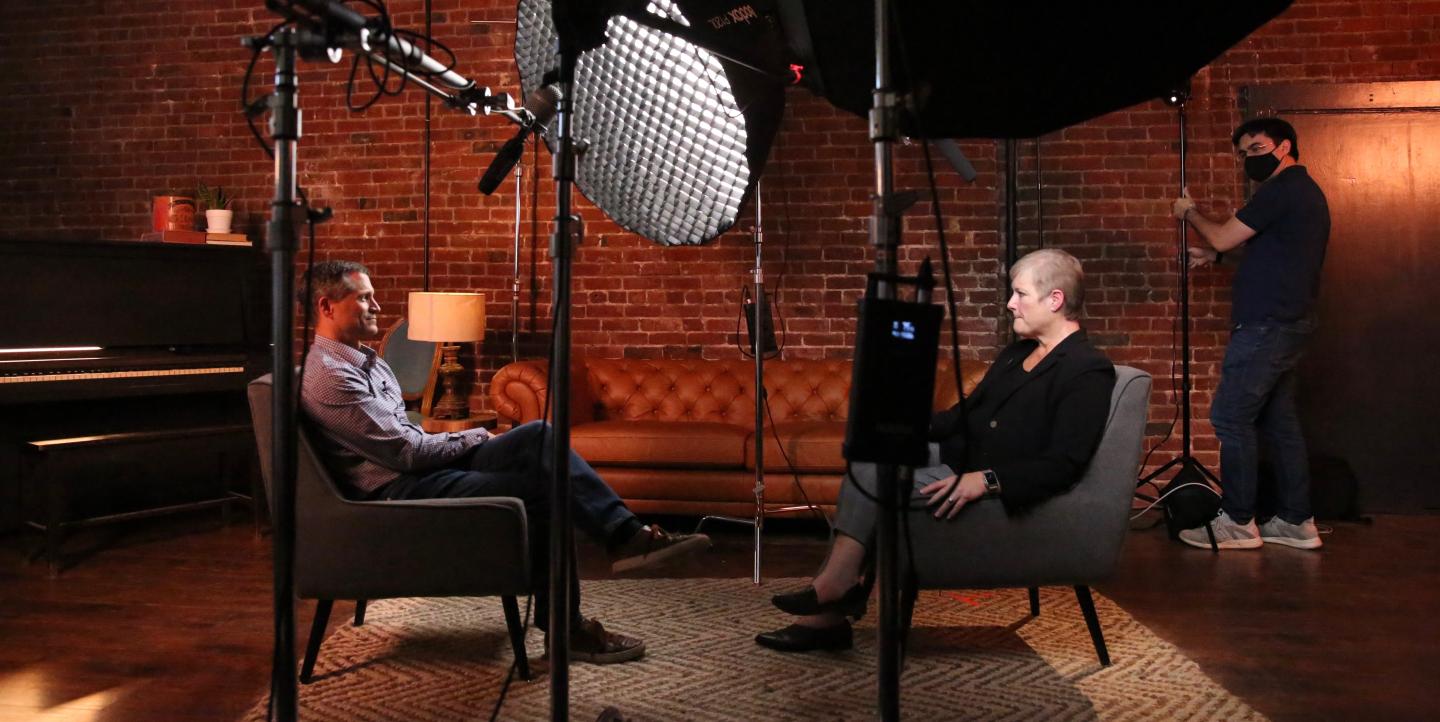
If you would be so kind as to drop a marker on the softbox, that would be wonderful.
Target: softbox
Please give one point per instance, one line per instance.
(1013, 69)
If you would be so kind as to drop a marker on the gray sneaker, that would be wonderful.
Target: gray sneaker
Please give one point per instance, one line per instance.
(1228, 534)
(1301, 536)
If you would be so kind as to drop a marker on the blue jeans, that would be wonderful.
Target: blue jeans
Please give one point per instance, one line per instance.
(1256, 404)
(513, 464)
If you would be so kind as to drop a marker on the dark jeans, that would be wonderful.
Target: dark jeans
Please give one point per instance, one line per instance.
(512, 464)
(1255, 404)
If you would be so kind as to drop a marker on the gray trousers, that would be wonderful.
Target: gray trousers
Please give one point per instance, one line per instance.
(856, 515)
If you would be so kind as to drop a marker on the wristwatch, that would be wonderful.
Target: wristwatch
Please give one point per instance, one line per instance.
(992, 484)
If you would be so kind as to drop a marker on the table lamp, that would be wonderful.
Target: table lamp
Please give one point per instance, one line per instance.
(448, 319)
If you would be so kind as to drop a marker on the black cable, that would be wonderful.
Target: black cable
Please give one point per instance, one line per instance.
(539, 464)
(253, 108)
(949, 287)
(392, 60)
(791, 465)
(784, 267)
(1174, 391)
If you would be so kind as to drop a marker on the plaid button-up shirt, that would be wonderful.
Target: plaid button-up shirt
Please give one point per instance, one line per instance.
(353, 400)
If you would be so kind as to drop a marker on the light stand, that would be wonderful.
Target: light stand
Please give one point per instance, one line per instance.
(1190, 467)
(758, 311)
(568, 231)
(892, 388)
(323, 23)
(892, 483)
(281, 242)
(515, 270)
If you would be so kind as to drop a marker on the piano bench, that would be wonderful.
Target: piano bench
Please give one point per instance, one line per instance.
(64, 477)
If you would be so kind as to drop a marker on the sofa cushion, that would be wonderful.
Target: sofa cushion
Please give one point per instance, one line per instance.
(694, 444)
(811, 446)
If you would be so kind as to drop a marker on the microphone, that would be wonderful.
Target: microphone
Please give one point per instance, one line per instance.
(539, 108)
(951, 150)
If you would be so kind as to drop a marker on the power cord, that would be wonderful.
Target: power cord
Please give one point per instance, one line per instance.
(799, 486)
(1174, 393)
(1168, 492)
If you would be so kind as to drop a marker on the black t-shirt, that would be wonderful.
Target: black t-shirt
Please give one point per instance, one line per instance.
(1279, 276)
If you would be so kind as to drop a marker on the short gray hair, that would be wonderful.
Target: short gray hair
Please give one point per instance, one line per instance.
(1053, 269)
(328, 279)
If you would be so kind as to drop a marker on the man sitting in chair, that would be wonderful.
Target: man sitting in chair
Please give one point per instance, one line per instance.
(1025, 434)
(352, 398)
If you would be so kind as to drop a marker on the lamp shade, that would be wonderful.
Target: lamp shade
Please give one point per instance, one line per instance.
(447, 317)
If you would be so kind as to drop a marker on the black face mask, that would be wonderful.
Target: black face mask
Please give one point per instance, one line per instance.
(1261, 167)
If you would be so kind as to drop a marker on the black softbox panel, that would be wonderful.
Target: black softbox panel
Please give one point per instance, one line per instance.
(1014, 69)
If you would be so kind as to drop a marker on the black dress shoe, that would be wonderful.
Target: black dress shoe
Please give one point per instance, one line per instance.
(798, 638)
(805, 602)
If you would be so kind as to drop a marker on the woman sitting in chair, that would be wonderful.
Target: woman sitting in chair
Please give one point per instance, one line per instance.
(1025, 434)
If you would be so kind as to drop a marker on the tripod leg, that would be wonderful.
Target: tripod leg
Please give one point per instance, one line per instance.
(1208, 474)
(1156, 473)
(1210, 531)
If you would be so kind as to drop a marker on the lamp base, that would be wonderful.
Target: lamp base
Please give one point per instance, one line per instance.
(452, 404)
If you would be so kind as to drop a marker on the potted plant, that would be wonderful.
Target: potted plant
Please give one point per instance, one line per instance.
(218, 215)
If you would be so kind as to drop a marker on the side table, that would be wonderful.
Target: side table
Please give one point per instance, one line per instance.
(474, 420)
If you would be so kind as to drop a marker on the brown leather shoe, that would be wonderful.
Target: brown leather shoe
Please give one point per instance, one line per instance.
(652, 545)
(589, 642)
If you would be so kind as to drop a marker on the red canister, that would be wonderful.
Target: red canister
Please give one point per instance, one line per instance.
(172, 213)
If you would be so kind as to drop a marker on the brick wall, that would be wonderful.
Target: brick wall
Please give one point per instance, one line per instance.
(109, 103)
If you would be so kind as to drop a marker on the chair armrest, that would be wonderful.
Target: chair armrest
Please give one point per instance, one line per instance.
(422, 548)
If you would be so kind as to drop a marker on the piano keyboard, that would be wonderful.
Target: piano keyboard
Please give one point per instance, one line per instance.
(40, 377)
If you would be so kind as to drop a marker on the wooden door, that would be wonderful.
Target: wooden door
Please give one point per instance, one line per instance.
(1370, 382)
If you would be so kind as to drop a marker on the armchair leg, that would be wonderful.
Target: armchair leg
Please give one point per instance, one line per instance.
(1034, 601)
(517, 635)
(909, 593)
(359, 612)
(317, 633)
(1087, 606)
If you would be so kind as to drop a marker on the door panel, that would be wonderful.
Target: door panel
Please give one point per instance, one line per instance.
(1370, 382)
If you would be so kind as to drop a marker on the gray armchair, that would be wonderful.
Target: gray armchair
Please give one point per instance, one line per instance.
(381, 549)
(1073, 539)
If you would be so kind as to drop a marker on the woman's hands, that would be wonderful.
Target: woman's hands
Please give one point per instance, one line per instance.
(952, 493)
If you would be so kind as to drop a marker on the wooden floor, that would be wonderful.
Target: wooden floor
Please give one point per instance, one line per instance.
(172, 620)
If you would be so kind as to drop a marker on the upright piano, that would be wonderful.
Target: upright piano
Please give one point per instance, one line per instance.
(101, 337)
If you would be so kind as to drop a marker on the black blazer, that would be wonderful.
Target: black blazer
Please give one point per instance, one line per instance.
(1036, 430)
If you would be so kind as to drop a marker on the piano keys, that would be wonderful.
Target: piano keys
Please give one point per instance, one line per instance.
(64, 374)
(104, 337)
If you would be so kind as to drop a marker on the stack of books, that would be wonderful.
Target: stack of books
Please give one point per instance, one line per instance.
(227, 239)
(217, 239)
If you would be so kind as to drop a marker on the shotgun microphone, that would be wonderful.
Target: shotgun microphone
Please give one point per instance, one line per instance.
(539, 109)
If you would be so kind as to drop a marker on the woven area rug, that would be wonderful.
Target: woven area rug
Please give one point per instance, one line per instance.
(974, 655)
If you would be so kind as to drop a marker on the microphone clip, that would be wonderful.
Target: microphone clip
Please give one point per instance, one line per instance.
(478, 100)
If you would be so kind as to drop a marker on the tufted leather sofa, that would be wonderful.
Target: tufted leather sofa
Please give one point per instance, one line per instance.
(676, 437)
